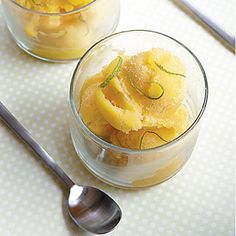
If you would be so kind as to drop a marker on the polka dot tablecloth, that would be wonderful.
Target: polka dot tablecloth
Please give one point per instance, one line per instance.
(199, 200)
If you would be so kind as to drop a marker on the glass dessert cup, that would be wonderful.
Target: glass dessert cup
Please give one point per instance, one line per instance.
(61, 36)
(129, 168)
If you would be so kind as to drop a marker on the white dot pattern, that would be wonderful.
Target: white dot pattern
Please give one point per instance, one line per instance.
(198, 201)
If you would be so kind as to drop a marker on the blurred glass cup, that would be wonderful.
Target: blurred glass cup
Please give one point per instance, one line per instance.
(61, 36)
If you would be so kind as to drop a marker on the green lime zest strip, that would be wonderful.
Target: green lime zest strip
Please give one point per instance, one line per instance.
(168, 72)
(146, 95)
(113, 74)
(150, 132)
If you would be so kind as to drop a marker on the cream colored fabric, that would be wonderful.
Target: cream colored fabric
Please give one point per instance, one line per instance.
(199, 200)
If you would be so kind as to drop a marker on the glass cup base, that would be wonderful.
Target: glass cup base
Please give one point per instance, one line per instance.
(119, 184)
(28, 51)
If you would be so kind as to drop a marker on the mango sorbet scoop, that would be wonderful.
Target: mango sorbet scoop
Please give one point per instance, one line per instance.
(136, 101)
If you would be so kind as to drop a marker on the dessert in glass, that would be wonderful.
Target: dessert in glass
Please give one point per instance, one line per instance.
(136, 100)
(60, 30)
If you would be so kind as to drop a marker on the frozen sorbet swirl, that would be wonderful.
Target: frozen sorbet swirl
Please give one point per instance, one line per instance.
(136, 101)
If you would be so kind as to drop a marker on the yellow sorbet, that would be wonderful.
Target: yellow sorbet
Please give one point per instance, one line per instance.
(136, 101)
(53, 6)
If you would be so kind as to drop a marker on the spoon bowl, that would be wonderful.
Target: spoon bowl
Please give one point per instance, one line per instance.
(93, 210)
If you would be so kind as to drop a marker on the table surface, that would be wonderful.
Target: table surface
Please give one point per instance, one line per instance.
(199, 200)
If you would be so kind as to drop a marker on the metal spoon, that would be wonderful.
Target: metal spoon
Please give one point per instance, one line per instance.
(90, 208)
(227, 37)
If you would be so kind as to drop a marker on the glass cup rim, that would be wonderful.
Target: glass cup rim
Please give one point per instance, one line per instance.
(115, 148)
(56, 13)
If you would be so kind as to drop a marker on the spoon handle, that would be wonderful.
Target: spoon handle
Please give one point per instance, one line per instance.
(13, 123)
(229, 38)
